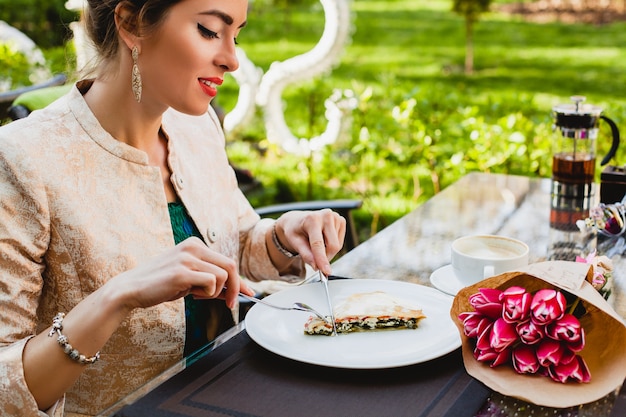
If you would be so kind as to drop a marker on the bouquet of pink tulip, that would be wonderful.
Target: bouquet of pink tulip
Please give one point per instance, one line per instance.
(533, 331)
(540, 333)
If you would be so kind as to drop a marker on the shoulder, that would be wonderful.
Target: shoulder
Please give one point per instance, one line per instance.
(41, 125)
(41, 143)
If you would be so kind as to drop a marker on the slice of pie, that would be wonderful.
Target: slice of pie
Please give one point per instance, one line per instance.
(368, 311)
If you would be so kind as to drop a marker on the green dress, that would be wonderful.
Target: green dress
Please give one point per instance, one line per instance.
(198, 313)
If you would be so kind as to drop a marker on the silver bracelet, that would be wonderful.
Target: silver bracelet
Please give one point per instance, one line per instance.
(280, 247)
(57, 326)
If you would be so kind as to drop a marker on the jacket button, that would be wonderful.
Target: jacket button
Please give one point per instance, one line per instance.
(212, 235)
(179, 181)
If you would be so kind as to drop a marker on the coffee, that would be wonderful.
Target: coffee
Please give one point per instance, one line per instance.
(573, 168)
(571, 198)
(477, 257)
(490, 252)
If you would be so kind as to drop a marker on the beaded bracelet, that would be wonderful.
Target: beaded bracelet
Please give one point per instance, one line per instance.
(280, 247)
(57, 326)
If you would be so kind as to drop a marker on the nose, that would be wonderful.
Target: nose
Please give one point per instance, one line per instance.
(227, 57)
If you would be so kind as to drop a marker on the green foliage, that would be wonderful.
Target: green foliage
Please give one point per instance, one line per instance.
(61, 59)
(44, 21)
(471, 9)
(14, 67)
(18, 70)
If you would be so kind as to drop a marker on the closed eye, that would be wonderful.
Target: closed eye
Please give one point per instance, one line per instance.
(209, 34)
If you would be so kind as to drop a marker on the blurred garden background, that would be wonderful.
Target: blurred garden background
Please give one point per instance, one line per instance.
(421, 120)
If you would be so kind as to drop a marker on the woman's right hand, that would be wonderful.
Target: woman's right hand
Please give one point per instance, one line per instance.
(190, 267)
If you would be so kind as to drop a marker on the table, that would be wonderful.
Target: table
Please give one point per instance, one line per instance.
(236, 377)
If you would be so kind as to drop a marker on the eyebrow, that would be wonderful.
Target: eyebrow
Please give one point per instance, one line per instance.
(226, 18)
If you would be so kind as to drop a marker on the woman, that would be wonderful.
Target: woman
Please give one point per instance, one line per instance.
(97, 188)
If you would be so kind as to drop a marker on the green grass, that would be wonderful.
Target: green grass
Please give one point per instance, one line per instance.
(418, 42)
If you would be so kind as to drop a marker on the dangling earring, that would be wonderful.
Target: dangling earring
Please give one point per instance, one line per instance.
(136, 78)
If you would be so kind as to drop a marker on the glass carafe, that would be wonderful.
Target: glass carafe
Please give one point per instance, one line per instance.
(573, 175)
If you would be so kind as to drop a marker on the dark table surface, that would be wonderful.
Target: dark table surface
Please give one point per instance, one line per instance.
(236, 377)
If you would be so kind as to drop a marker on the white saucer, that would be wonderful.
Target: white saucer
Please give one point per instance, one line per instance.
(445, 280)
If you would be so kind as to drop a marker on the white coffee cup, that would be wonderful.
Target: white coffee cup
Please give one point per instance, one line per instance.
(477, 257)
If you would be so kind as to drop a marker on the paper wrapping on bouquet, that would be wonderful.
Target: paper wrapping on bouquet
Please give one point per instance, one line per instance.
(605, 335)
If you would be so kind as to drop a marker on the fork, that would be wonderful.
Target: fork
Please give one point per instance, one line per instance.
(295, 306)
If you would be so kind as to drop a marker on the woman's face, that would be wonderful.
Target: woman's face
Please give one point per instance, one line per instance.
(185, 60)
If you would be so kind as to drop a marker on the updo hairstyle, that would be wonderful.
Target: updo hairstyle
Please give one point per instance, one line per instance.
(99, 21)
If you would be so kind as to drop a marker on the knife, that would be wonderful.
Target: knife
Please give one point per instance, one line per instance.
(324, 280)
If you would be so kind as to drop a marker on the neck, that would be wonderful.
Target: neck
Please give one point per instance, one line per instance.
(115, 107)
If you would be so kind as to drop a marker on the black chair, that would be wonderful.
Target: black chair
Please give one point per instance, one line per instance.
(9, 111)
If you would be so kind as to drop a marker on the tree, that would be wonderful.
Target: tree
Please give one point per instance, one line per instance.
(471, 11)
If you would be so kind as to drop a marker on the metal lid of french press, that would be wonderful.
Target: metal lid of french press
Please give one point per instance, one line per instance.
(577, 115)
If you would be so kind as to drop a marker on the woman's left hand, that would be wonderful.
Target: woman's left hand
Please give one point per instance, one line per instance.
(317, 236)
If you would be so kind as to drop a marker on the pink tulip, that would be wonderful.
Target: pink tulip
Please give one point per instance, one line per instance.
(547, 306)
(487, 301)
(503, 335)
(529, 332)
(549, 352)
(483, 341)
(492, 357)
(567, 329)
(474, 323)
(576, 370)
(502, 358)
(525, 360)
(485, 355)
(567, 355)
(516, 304)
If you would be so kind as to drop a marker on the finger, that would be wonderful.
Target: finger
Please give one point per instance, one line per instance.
(217, 271)
(334, 236)
(231, 291)
(204, 283)
(245, 289)
(318, 250)
(209, 287)
(207, 279)
(315, 253)
(224, 268)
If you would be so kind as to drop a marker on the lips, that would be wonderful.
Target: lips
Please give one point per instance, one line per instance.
(209, 85)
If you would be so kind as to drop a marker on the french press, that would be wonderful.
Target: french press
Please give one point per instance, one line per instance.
(574, 158)
(573, 173)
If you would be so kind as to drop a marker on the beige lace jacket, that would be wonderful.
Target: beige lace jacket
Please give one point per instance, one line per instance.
(78, 207)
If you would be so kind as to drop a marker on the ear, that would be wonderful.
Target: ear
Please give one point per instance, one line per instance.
(127, 25)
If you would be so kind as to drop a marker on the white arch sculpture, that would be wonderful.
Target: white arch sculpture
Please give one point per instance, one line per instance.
(265, 90)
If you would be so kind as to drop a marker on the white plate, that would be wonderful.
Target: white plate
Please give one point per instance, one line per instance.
(282, 332)
(445, 280)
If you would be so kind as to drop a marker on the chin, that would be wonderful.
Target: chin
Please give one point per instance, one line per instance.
(193, 111)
